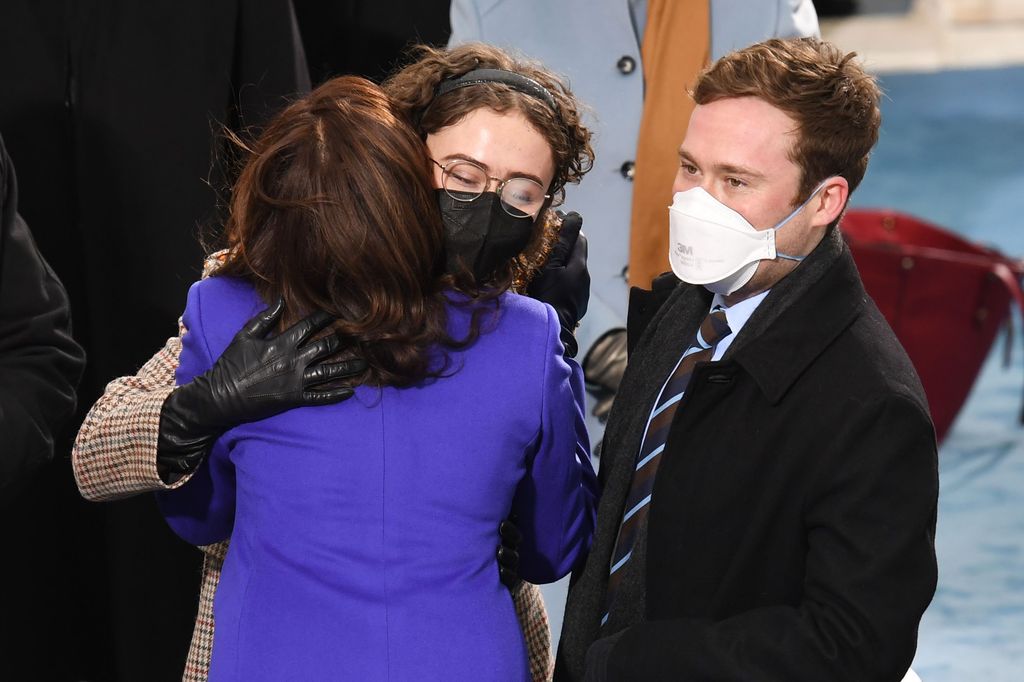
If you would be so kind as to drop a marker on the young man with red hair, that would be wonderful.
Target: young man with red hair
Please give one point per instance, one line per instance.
(770, 473)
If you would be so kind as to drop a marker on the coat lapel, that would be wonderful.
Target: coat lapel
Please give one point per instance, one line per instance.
(799, 318)
(658, 348)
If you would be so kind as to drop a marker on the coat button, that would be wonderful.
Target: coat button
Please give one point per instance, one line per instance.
(628, 170)
(626, 65)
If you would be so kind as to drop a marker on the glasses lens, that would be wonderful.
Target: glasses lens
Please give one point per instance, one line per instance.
(522, 195)
(466, 179)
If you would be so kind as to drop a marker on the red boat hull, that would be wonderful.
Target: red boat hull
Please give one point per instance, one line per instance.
(945, 297)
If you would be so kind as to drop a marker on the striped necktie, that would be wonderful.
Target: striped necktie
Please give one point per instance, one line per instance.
(713, 329)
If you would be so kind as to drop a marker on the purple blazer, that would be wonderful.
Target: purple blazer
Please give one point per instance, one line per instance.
(363, 535)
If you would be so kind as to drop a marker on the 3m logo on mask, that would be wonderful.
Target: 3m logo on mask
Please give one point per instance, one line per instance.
(730, 248)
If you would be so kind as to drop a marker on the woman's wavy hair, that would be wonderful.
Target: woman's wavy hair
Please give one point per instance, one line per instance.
(335, 210)
(413, 90)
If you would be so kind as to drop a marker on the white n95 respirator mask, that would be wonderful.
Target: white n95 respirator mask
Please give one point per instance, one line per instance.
(713, 245)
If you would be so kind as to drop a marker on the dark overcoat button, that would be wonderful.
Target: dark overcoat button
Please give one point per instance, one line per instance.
(628, 170)
(626, 65)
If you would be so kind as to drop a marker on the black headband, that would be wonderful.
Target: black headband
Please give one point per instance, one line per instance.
(516, 81)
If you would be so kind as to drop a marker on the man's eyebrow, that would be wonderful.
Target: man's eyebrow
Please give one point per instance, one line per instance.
(730, 169)
(724, 168)
(487, 169)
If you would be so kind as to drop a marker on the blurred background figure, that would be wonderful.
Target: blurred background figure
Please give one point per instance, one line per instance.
(40, 364)
(109, 111)
(366, 38)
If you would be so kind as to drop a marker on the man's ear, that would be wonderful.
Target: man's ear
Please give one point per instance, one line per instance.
(830, 202)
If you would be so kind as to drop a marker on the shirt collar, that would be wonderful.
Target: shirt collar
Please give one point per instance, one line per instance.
(738, 313)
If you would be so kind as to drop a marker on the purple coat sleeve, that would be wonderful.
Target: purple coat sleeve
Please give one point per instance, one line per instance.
(202, 511)
(554, 505)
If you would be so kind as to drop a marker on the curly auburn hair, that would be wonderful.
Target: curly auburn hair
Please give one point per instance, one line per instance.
(413, 90)
(832, 99)
(335, 210)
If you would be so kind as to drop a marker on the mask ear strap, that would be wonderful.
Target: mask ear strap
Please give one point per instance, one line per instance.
(801, 206)
(786, 256)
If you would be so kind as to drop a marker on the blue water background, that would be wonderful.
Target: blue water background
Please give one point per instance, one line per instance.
(952, 152)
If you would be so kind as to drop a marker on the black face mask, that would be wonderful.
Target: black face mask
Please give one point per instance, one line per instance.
(480, 236)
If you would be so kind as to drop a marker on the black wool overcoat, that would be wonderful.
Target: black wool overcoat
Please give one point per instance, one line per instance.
(791, 530)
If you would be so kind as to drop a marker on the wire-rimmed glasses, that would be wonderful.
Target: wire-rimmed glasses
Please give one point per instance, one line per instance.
(464, 181)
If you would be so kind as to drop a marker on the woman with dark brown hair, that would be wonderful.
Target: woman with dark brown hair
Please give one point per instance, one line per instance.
(510, 118)
(361, 532)
(335, 213)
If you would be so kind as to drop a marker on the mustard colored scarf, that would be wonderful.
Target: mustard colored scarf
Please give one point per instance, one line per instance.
(676, 46)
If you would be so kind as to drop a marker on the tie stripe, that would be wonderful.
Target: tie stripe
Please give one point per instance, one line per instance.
(636, 508)
(621, 562)
(669, 403)
(713, 329)
(649, 457)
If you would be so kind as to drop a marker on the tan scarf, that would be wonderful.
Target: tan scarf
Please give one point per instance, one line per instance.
(676, 46)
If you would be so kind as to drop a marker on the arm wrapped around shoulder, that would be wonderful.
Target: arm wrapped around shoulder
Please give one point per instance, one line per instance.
(555, 502)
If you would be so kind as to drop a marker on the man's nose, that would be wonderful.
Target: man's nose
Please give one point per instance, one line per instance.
(681, 183)
(714, 189)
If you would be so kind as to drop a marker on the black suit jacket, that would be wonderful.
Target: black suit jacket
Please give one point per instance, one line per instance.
(791, 532)
(112, 110)
(40, 364)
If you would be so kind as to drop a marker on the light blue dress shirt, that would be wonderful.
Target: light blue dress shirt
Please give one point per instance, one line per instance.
(736, 315)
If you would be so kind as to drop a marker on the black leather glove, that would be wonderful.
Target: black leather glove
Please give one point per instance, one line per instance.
(564, 282)
(508, 554)
(256, 377)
